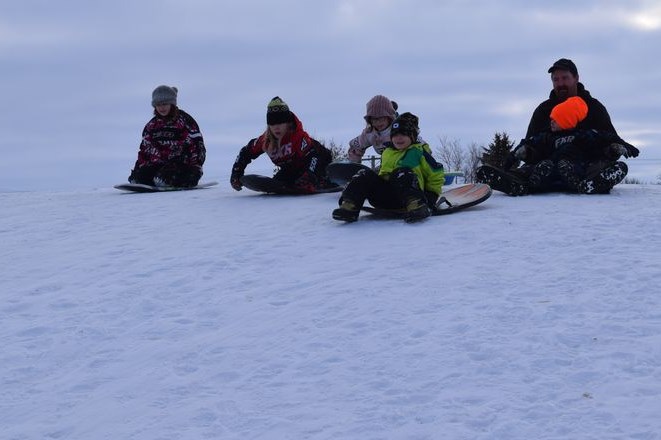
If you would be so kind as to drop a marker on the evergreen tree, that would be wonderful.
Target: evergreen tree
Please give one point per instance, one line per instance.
(497, 151)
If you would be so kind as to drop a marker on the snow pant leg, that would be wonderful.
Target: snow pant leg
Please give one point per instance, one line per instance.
(406, 185)
(179, 174)
(144, 174)
(366, 184)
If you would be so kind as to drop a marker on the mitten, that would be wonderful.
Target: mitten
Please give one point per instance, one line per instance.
(235, 178)
(519, 153)
(626, 150)
(242, 160)
(432, 198)
(509, 161)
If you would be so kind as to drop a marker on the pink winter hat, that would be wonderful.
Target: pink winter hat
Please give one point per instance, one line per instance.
(380, 106)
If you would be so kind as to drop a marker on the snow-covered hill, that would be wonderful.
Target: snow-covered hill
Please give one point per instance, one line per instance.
(224, 315)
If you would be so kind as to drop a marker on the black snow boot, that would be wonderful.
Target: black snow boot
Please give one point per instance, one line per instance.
(568, 174)
(541, 175)
(502, 181)
(605, 180)
(416, 209)
(347, 212)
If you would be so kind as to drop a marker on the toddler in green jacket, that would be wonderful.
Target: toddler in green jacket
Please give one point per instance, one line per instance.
(409, 177)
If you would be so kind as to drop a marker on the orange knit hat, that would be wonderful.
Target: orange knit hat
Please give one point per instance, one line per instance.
(569, 113)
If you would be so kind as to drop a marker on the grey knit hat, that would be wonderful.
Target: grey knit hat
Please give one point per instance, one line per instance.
(164, 95)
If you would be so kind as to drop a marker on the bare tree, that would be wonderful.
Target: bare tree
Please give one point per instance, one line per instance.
(450, 154)
(472, 162)
(338, 152)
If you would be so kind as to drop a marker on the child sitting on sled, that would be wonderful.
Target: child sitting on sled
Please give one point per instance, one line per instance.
(572, 153)
(172, 149)
(409, 177)
(301, 159)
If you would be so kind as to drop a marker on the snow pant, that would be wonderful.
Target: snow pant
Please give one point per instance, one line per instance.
(394, 193)
(171, 174)
(312, 175)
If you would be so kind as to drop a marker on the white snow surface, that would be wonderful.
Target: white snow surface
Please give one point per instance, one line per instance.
(216, 314)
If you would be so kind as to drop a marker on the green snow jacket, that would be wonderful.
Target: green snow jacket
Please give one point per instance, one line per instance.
(418, 158)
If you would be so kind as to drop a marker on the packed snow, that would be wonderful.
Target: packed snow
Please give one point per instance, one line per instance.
(232, 315)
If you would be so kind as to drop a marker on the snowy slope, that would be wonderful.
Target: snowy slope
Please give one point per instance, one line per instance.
(225, 315)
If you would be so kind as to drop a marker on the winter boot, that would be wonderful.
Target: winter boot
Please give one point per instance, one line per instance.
(541, 174)
(347, 212)
(416, 209)
(501, 180)
(568, 174)
(603, 182)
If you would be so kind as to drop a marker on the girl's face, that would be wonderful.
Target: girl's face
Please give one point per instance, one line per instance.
(279, 130)
(401, 141)
(163, 109)
(380, 123)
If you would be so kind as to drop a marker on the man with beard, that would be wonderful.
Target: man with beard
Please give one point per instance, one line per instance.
(564, 76)
(602, 174)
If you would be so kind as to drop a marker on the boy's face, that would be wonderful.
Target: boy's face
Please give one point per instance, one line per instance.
(401, 141)
(555, 126)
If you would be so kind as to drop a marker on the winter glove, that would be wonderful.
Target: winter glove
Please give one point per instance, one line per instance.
(519, 153)
(432, 198)
(509, 161)
(625, 150)
(242, 160)
(235, 178)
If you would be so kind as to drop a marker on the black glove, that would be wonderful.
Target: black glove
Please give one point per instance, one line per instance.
(432, 198)
(626, 150)
(509, 161)
(240, 164)
(235, 178)
(519, 153)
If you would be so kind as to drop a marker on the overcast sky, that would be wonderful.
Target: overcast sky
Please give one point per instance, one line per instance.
(77, 75)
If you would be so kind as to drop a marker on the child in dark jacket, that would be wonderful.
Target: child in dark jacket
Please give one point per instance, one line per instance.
(409, 177)
(172, 150)
(302, 160)
(569, 153)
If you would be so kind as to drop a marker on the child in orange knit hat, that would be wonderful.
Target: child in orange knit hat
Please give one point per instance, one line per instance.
(567, 114)
(570, 149)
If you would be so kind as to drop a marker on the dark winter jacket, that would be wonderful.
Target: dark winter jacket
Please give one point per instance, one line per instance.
(597, 118)
(173, 138)
(576, 145)
(295, 152)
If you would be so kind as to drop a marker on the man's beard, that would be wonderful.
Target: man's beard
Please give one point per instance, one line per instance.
(562, 92)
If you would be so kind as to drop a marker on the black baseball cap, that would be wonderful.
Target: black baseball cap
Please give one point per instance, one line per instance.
(564, 64)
